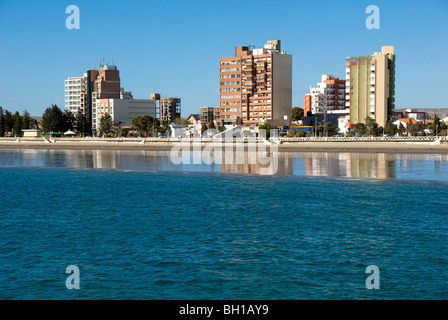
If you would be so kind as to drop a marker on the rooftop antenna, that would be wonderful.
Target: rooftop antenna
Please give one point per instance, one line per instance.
(113, 61)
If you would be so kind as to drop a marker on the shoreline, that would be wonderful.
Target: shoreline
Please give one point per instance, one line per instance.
(308, 146)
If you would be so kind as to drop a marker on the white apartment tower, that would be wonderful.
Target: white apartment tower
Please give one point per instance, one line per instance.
(73, 92)
(328, 95)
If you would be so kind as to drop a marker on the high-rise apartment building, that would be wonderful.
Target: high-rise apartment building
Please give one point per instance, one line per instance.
(169, 109)
(328, 95)
(256, 85)
(74, 88)
(370, 86)
(81, 93)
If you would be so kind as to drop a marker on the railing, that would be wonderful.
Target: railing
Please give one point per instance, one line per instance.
(365, 139)
(228, 140)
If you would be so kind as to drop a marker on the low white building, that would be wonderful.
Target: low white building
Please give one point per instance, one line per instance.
(123, 110)
(178, 131)
(31, 133)
(405, 122)
(343, 124)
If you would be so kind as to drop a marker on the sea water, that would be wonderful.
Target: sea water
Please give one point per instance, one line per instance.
(138, 227)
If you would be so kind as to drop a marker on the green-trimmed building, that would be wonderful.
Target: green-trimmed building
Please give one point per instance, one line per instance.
(370, 86)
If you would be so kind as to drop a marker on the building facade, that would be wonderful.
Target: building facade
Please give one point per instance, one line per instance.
(370, 86)
(328, 95)
(123, 110)
(256, 85)
(209, 114)
(307, 102)
(125, 94)
(74, 89)
(169, 109)
(82, 93)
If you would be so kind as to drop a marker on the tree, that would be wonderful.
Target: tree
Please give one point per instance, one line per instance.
(297, 113)
(436, 125)
(389, 128)
(292, 132)
(17, 126)
(27, 121)
(211, 125)
(69, 119)
(412, 128)
(181, 121)
(145, 124)
(360, 129)
(301, 133)
(164, 126)
(8, 121)
(203, 128)
(106, 123)
(54, 119)
(331, 128)
(2, 123)
(371, 127)
(443, 128)
(80, 123)
(268, 127)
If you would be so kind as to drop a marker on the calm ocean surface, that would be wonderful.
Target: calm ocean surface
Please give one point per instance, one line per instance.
(139, 227)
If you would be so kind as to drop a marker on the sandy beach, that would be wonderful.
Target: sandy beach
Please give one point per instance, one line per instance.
(323, 146)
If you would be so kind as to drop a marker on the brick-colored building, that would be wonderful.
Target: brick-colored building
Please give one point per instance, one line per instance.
(307, 101)
(256, 85)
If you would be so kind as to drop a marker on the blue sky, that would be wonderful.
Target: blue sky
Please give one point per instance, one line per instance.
(173, 47)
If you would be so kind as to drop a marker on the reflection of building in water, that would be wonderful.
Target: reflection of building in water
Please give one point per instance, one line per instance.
(325, 164)
(80, 158)
(257, 163)
(354, 165)
(372, 165)
(141, 160)
(104, 160)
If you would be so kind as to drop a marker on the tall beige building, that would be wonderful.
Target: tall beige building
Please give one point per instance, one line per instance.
(370, 86)
(256, 86)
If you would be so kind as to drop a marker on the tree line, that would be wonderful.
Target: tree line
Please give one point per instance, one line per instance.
(371, 128)
(13, 123)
